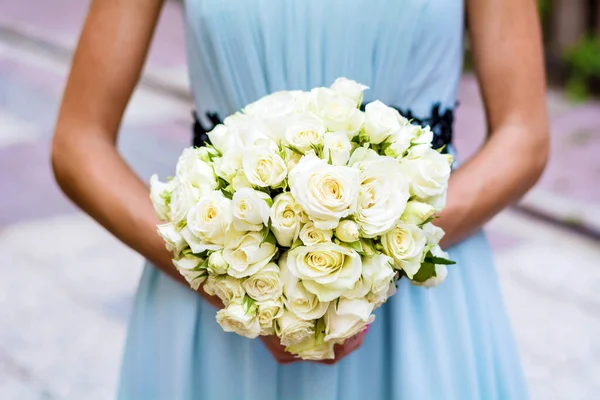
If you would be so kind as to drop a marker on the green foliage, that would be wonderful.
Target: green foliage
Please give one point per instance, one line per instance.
(583, 60)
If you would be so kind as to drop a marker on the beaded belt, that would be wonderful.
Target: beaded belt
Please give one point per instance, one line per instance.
(439, 121)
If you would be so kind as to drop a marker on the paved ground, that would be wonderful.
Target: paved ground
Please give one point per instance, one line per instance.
(63, 312)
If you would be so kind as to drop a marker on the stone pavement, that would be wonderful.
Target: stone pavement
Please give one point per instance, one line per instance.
(66, 285)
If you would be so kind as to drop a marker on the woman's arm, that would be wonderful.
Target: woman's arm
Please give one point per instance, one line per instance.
(106, 68)
(507, 48)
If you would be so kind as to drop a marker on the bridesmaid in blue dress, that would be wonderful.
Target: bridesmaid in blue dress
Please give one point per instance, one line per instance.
(450, 342)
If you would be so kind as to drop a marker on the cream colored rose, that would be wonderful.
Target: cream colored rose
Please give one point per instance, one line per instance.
(326, 269)
(183, 198)
(428, 172)
(239, 319)
(304, 131)
(346, 318)
(433, 233)
(405, 243)
(310, 235)
(222, 138)
(382, 122)
(336, 147)
(217, 264)
(338, 112)
(347, 231)
(225, 287)
(188, 267)
(383, 194)
(276, 110)
(327, 193)
(247, 254)
(160, 195)
(208, 222)
(291, 158)
(349, 88)
(304, 304)
(313, 348)
(268, 312)
(227, 167)
(263, 167)
(400, 139)
(264, 284)
(174, 241)
(377, 275)
(378, 272)
(417, 212)
(293, 330)
(191, 168)
(250, 209)
(286, 219)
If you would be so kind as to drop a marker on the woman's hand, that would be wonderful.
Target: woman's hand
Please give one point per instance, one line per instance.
(278, 352)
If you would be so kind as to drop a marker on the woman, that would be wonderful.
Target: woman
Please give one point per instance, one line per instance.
(451, 342)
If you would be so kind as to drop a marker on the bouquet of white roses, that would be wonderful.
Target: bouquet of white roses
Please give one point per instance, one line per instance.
(303, 212)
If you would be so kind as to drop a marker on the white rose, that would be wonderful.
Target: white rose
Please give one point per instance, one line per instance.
(208, 222)
(268, 311)
(336, 147)
(399, 139)
(247, 254)
(304, 304)
(225, 287)
(221, 137)
(378, 272)
(239, 319)
(433, 233)
(327, 193)
(417, 212)
(305, 131)
(173, 238)
(405, 244)
(347, 317)
(183, 198)
(276, 110)
(264, 284)
(349, 88)
(228, 165)
(310, 235)
(312, 349)
(326, 269)
(424, 136)
(188, 267)
(191, 168)
(286, 219)
(160, 195)
(382, 121)
(293, 330)
(240, 181)
(428, 172)
(338, 112)
(263, 167)
(250, 209)
(291, 158)
(217, 264)
(383, 194)
(347, 231)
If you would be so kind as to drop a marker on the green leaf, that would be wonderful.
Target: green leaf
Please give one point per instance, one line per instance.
(266, 233)
(439, 260)
(294, 149)
(222, 182)
(356, 246)
(316, 149)
(202, 266)
(426, 271)
(227, 194)
(430, 219)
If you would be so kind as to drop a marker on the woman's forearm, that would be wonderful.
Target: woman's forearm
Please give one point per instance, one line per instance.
(91, 173)
(504, 169)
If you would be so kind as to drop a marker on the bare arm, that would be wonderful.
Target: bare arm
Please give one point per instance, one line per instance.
(87, 166)
(506, 41)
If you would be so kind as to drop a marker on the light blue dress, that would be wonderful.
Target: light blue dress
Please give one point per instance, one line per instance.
(450, 342)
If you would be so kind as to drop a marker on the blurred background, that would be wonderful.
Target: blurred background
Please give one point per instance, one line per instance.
(66, 286)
